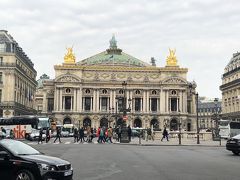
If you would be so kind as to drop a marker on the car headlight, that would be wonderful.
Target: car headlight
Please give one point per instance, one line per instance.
(46, 167)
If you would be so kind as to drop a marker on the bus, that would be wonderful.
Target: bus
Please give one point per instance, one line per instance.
(23, 126)
(228, 128)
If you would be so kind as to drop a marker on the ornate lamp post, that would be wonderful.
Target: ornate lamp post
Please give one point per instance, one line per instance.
(124, 130)
(192, 92)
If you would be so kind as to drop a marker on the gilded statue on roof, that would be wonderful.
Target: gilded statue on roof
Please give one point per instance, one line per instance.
(69, 57)
(172, 59)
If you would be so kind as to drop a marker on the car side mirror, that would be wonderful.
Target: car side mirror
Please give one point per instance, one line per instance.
(4, 155)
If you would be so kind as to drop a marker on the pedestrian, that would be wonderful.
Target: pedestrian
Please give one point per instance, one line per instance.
(58, 136)
(47, 135)
(110, 135)
(119, 133)
(81, 134)
(12, 136)
(40, 137)
(4, 132)
(98, 134)
(165, 134)
(101, 136)
(129, 133)
(75, 135)
(92, 134)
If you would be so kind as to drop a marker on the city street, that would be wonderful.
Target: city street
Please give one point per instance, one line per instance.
(121, 162)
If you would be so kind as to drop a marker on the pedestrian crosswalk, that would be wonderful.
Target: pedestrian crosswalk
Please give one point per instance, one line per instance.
(57, 143)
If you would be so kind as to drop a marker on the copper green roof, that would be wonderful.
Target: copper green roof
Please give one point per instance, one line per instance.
(113, 57)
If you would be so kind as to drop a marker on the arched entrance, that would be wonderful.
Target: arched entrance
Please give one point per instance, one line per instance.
(137, 123)
(173, 125)
(87, 122)
(104, 122)
(154, 123)
(67, 120)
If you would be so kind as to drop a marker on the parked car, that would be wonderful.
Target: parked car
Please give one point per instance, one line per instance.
(20, 161)
(34, 135)
(233, 144)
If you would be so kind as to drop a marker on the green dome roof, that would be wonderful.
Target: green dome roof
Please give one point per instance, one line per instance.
(113, 57)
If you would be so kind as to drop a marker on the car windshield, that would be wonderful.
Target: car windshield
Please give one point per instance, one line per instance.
(18, 148)
(237, 136)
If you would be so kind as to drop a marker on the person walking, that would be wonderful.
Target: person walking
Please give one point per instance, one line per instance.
(110, 135)
(12, 136)
(47, 135)
(129, 133)
(98, 134)
(40, 136)
(75, 135)
(58, 136)
(165, 134)
(81, 134)
(119, 132)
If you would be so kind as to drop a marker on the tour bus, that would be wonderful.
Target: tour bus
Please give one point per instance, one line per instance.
(228, 128)
(23, 126)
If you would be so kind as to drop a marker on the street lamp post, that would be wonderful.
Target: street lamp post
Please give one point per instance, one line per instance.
(179, 135)
(216, 115)
(124, 130)
(196, 96)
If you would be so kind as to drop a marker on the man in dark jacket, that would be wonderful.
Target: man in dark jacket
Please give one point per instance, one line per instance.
(165, 134)
(58, 135)
(81, 134)
(47, 135)
(40, 136)
(129, 133)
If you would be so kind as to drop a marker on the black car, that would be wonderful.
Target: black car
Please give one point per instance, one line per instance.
(233, 144)
(19, 161)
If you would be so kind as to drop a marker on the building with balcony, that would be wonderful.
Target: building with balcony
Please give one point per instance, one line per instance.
(207, 111)
(92, 92)
(231, 89)
(17, 78)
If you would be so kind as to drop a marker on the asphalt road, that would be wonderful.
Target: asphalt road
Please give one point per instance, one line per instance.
(123, 162)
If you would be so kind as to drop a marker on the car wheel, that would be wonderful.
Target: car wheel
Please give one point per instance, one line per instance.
(24, 175)
(236, 152)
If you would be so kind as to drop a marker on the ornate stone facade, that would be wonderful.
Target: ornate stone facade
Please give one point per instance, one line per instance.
(231, 89)
(17, 79)
(91, 91)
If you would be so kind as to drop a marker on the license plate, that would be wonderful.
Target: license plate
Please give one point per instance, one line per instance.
(232, 142)
(68, 173)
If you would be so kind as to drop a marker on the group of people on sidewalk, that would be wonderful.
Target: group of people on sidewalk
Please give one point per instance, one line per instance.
(103, 134)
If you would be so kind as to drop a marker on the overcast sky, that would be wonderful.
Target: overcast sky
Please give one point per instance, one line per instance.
(205, 33)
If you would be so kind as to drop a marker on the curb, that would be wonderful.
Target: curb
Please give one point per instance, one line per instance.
(182, 145)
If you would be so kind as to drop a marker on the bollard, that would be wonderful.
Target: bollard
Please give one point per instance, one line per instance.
(140, 137)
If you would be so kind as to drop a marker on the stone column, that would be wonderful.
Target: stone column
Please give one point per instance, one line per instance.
(80, 100)
(56, 99)
(94, 100)
(147, 101)
(144, 101)
(97, 100)
(75, 100)
(61, 99)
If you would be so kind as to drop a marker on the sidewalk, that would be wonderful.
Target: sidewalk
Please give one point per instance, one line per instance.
(175, 142)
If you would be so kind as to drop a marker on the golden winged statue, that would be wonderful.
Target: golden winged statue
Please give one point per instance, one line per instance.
(69, 58)
(172, 59)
